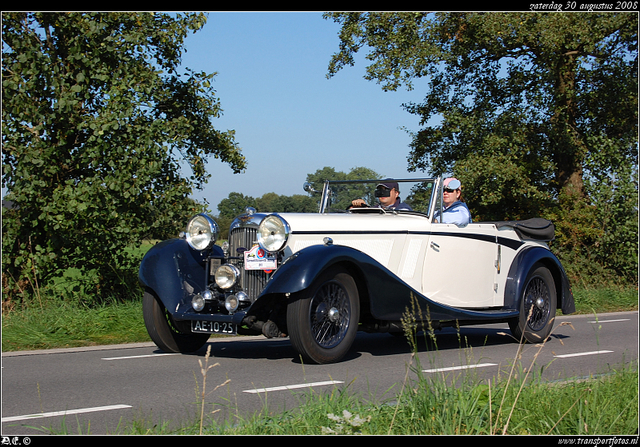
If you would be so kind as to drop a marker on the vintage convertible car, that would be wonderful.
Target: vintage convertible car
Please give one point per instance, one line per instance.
(318, 278)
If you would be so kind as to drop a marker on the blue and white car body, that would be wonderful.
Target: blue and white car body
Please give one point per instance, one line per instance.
(320, 277)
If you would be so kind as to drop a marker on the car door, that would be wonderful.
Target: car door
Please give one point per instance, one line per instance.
(461, 265)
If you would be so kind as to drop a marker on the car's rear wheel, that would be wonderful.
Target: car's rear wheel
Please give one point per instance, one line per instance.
(537, 307)
(164, 332)
(323, 320)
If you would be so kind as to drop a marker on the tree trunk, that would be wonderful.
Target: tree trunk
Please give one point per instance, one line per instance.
(567, 145)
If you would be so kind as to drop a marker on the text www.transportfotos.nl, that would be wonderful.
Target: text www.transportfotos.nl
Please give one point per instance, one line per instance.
(609, 441)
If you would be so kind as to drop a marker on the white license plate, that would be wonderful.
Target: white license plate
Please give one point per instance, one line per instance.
(213, 327)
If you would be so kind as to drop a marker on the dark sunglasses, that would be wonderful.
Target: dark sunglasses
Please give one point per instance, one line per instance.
(449, 190)
(383, 191)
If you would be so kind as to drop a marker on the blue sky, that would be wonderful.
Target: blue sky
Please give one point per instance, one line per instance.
(290, 120)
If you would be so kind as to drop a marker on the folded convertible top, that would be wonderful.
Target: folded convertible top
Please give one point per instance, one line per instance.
(536, 229)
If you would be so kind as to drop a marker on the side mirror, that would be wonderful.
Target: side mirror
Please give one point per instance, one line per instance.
(308, 187)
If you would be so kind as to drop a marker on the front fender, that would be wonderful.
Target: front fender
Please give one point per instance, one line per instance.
(300, 269)
(521, 266)
(377, 285)
(173, 270)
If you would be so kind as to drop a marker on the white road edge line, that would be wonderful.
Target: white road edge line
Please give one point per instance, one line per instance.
(64, 413)
(456, 368)
(293, 387)
(580, 354)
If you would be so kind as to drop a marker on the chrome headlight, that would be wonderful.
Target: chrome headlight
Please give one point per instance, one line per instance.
(202, 232)
(226, 276)
(273, 233)
(197, 302)
(231, 303)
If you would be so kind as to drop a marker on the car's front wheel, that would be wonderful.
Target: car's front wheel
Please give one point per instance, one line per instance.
(323, 320)
(164, 332)
(537, 307)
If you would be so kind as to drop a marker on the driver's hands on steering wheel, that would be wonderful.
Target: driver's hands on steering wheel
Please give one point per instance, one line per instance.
(359, 203)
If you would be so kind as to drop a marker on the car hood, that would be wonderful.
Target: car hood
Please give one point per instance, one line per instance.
(376, 234)
(360, 222)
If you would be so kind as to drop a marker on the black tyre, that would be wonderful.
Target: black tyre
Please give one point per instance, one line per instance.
(537, 307)
(323, 320)
(164, 332)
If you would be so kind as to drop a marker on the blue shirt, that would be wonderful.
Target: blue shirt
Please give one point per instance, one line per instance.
(457, 213)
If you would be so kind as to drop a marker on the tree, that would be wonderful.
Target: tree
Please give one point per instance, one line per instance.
(235, 204)
(97, 123)
(342, 195)
(270, 202)
(297, 203)
(531, 110)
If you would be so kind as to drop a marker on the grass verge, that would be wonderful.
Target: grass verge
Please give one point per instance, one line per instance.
(61, 324)
(430, 407)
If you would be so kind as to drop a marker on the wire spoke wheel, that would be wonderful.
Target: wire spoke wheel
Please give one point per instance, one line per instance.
(537, 307)
(323, 320)
(330, 314)
(537, 304)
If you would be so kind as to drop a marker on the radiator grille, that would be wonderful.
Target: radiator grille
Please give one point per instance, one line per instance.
(252, 281)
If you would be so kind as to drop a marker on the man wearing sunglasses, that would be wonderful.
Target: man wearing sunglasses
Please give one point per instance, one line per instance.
(455, 211)
(388, 193)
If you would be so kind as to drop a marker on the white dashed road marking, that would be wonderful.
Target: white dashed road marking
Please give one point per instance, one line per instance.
(456, 368)
(609, 321)
(137, 356)
(292, 387)
(64, 413)
(580, 354)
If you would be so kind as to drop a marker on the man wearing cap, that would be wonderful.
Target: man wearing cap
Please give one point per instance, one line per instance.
(454, 211)
(388, 193)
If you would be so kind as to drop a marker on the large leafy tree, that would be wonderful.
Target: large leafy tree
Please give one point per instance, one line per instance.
(535, 112)
(97, 128)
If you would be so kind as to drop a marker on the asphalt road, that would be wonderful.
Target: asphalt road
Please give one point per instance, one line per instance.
(102, 389)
